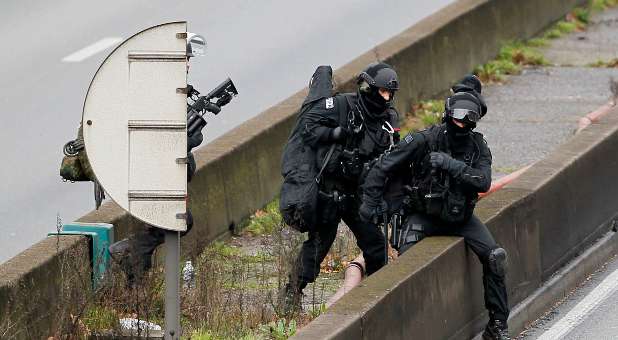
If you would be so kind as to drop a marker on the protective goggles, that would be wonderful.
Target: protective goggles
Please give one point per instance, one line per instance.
(461, 114)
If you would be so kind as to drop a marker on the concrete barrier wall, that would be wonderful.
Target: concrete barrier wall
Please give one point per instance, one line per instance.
(543, 219)
(42, 286)
(239, 172)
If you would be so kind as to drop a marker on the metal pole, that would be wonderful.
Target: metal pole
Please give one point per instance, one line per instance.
(172, 282)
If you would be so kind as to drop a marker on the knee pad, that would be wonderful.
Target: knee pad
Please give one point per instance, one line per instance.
(497, 261)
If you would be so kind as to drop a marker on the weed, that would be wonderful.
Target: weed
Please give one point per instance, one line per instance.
(601, 5)
(577, 19)
(222, 249)
(423, 114)
(100, 317)
(582, 14)
(552, 33)
(566, 27)
(613, 63)
(520, 53)
(510, 59)
(496, 70)
(315, 312)
(280, 329)
(265, 221)
(538, 42)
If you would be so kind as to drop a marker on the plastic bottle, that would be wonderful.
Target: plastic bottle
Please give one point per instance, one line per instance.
(188, 275)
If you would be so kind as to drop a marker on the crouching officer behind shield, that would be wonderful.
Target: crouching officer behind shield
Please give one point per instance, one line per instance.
(345, 131)
(446, 166)
(134, 254)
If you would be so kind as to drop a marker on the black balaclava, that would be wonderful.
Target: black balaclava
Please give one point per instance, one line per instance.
(374, 105)
(377, 75)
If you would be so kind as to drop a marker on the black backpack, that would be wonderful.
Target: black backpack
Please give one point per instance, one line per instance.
(299, 165)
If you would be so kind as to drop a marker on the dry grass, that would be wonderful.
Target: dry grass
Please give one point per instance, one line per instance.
(236, 286)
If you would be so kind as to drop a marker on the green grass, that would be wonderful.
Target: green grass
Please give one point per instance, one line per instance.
(566, 27)
(562, 27)
(613, 63)
(578, 19)
(582, 15)
(206, 334)
(423, 114)
(601, 5)
(100, 318)
(510, 60)
(280, 329)
(223, 249)
(495, 71)
(265, 221)
(553, 33)
(521, 53)
(538, 42)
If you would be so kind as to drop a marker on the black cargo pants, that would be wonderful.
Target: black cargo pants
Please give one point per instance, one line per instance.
(369, 239)
(481, 242)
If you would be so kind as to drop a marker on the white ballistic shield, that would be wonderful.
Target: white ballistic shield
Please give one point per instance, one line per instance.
(134, 124)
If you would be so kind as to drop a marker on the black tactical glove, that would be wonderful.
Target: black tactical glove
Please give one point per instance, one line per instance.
(212, 107)
(441, 160)
(338, 134)
(372, 213)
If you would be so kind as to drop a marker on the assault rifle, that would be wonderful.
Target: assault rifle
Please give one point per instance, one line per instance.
(199, 105)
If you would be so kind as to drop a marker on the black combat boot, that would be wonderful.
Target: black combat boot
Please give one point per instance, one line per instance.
(133, 264)
(496, 330)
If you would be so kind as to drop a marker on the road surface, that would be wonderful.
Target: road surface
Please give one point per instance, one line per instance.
(589, 312)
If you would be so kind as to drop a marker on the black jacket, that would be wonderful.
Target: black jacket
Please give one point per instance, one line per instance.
(410, 159)
(371, 141)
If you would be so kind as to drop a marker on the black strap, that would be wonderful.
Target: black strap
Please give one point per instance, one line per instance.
(318, 178)
(343, 120)
(343, 114)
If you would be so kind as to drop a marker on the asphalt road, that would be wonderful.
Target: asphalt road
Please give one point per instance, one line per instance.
(269, 48)
(589, 312)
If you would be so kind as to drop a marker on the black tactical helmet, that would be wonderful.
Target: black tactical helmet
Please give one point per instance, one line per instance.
(463, 106)
(380, 75)
(370, 81)
(470, 81)
(471, 84)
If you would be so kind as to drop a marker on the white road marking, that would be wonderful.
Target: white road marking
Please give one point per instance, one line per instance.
(582, 309)
(91, 50)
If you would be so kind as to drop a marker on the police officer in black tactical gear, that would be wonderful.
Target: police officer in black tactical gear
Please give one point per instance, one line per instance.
(445, 167)
(362, 125)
